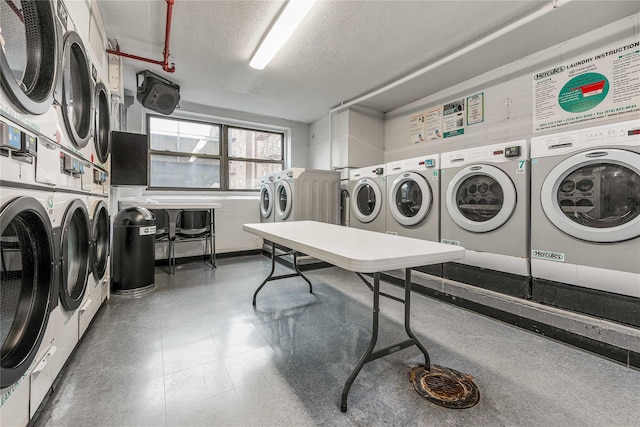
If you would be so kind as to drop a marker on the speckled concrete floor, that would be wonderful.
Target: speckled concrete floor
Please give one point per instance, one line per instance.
(196, 353)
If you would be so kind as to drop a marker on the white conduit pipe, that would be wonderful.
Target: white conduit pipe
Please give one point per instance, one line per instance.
(502, 31)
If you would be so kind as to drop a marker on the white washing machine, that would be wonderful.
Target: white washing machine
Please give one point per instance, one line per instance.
(485, 209)
(585, 220)
(306, 194)
(413, 201)
(267, 198)
(74, 92)
(26, 246)
(96, 181)
(368, 188)
(101, 144)
(28, 288)
(72, 229)
(29, 65)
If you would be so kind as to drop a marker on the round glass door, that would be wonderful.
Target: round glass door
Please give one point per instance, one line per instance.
(284, 200)
(27, 286)
(366, 200)
(410, 198)
(77, 95)
(28, 54)
(75, 255)
(102, 125)
(100, 241)
(595, 196)
(266, 201)
(481, 198)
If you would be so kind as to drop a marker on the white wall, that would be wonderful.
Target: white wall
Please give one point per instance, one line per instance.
(508, 97)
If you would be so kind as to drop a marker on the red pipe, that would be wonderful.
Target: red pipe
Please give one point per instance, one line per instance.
(167, 35)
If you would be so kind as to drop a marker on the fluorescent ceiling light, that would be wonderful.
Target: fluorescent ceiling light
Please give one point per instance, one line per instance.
(293, 13)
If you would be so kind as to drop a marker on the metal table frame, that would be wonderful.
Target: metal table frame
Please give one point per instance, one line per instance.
(369, 354)
(173, 209)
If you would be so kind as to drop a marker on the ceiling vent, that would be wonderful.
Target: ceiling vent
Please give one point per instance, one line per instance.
(157, 93)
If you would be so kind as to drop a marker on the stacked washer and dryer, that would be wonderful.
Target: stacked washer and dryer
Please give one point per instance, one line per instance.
(48, 147)
(585, 220)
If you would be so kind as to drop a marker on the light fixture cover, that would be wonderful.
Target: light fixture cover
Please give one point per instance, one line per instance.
(291, 16)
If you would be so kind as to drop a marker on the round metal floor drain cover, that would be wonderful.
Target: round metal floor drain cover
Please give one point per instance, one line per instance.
(445, 387)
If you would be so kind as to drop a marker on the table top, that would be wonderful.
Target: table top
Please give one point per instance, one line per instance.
(353, 249)
(195, 205)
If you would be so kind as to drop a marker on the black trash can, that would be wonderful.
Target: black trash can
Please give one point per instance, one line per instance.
(133, 254)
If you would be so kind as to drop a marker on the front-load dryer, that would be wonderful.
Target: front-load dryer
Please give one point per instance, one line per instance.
(71, 221)
(485, 209)
(585, 220)
(28, 294)
(413, 201)
(101, 146)
(29, 64)
(98, 276)
(75, 95)
(306, 194)
(267, 198)
(368, 192)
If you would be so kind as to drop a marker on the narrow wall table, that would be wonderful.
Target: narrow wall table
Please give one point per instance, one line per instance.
(360, 251)
(173, 209)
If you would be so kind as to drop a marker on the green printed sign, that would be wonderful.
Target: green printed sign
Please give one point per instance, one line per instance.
(583, 92)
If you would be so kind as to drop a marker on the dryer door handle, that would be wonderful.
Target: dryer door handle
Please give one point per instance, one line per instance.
(596, 154)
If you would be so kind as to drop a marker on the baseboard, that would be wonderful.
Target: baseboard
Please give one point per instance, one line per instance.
(622, 355)
(493, 280)
(594, 302)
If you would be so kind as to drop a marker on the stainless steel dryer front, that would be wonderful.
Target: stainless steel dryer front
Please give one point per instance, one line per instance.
(585, 220)
(486, 210)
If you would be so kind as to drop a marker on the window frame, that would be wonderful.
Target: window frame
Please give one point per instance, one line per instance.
(223, 157)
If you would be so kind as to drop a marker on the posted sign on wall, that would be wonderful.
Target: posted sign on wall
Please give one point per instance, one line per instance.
(600, 85)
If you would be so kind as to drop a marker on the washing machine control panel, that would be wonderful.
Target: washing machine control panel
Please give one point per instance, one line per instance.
(19, 142)
(99, 177)
(512, 151)
(71, 165)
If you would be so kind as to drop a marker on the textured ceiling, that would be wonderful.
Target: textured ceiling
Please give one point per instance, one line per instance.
(343, 49)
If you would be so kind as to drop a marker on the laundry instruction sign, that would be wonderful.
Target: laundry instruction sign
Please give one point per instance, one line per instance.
(599, 85)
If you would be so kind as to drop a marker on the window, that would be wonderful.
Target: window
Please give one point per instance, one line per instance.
(187, 154)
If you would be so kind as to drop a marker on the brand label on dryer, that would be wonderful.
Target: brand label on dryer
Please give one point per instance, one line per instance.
(450, 242)
(550, 256)
(145, 231)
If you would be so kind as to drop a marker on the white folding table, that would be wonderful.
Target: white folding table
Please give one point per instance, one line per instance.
(174, 208)
(360, 251)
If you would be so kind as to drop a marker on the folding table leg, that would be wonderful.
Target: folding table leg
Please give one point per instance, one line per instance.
(369, 354)
(271, 277)
(372, 344)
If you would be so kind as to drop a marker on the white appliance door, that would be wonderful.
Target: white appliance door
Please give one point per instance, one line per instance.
(266, 201)
(284, 200)
(595, 195)
(480, 198)
(366, 200)
(410, 198)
